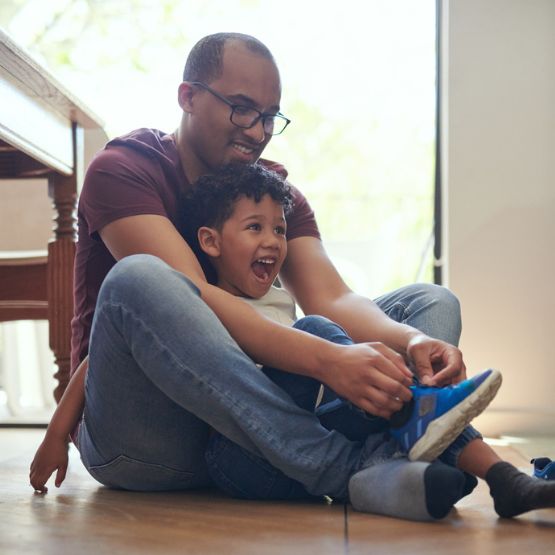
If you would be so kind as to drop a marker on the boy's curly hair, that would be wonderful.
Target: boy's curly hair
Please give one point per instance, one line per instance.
(211, 199)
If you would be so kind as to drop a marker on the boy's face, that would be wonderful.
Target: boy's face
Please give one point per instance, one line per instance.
(251, 247)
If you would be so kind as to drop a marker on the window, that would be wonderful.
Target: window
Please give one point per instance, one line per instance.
(358, 83)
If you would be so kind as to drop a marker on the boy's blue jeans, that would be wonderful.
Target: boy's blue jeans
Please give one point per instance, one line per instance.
(163, 370)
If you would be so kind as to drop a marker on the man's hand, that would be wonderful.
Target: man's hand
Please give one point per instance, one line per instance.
(50, 456)
(370, 375)
(435, 362)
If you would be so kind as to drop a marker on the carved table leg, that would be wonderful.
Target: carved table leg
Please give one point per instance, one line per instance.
(61, 253)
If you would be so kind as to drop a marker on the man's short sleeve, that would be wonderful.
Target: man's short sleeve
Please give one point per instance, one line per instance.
(120, 182)
(301, 221)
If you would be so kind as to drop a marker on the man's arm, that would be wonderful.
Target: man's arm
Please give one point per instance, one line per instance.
(370, 376)
(319, 289)
(52, 452)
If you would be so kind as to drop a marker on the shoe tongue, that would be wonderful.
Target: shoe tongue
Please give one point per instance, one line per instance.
(261, 270)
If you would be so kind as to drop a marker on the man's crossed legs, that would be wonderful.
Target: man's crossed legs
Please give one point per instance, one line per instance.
(163, 370)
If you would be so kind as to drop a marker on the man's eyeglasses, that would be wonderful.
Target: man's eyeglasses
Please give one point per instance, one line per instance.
(247, 117)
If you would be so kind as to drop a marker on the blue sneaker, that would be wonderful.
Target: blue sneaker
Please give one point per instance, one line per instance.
(544, 468)
(439, 414)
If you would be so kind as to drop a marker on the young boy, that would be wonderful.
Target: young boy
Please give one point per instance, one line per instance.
(235, 221)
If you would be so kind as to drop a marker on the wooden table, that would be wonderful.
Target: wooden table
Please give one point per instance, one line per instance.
(42, 135)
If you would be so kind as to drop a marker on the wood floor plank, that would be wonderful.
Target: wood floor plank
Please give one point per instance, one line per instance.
(83, 517)
(473, 528)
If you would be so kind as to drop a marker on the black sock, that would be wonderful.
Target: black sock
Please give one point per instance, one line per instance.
(444, 487)
(470, 482)
(403, 489)
(403, 415)
(515, 493)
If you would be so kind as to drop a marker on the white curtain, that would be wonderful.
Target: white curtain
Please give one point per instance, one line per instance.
(26, 369)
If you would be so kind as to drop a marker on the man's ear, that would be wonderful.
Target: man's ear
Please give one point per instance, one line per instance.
(209, 241)
(185, 94)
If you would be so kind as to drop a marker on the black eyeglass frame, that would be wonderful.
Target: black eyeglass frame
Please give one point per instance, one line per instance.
(261, 115)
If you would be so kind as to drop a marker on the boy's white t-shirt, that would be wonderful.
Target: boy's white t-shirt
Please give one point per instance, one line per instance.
(277, 304)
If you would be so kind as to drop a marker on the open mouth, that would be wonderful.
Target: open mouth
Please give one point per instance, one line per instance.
(263, 268)
(244, 151)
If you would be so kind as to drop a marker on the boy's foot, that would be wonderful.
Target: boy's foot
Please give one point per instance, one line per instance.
(437, 415)
(515, 493)
(544, 468)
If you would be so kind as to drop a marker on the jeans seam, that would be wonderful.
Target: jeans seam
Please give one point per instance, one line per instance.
(405, 311)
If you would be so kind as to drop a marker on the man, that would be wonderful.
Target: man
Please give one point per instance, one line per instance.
(166, 356)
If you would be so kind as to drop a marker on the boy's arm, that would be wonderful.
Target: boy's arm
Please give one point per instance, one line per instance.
(52, 452)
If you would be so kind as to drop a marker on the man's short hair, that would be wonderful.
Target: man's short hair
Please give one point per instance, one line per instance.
(211, 199)
(204, 62)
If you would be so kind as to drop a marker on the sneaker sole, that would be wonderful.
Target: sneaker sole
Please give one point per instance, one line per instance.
(441, 432)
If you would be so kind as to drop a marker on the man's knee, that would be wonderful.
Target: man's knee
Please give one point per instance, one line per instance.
(443, 310)
(142, 274)
(443, 297)
(135, 269)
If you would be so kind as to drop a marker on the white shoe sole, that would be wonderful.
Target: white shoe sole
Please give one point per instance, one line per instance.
(442, 431)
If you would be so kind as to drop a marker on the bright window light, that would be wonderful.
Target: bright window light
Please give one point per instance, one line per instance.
(358, 82)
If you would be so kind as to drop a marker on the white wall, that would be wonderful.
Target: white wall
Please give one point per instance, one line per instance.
(25, 215)
(499, 176)
(26, 212)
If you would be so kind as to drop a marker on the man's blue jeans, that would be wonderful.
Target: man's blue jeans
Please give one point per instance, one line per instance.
(163, 370)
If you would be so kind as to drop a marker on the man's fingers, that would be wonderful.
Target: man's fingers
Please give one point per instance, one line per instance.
(423, 366)
(382, 384)
(453, 372)
(396, 359)
(447, 376)
(384, 401)
(462, 375)
(390, 380)
(377, 402)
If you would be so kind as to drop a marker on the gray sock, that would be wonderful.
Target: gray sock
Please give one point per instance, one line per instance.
(403, 489)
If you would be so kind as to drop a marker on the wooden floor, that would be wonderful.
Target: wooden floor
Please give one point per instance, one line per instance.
(84, 518)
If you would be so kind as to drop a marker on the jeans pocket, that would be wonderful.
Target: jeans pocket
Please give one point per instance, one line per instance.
(126, 473)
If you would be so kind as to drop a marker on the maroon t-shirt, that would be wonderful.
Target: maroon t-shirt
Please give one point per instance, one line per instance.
(138, 173)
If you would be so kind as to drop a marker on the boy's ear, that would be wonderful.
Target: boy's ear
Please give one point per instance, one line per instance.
(209, 241)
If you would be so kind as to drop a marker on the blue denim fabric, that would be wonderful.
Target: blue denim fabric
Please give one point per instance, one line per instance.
(162, 369)
(244, 475)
